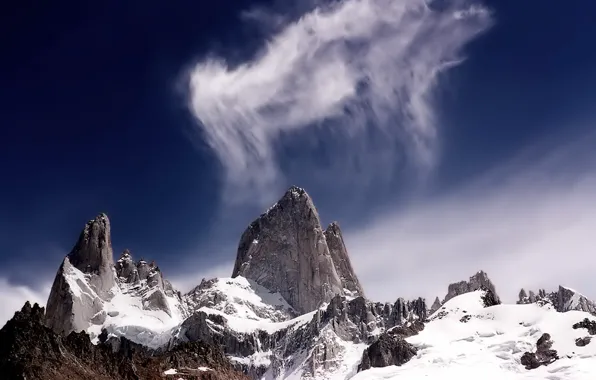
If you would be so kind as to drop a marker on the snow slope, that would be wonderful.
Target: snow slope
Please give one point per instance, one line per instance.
(490, 344)
(124, 313)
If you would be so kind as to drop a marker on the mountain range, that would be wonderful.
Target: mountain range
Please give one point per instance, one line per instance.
(293, 308)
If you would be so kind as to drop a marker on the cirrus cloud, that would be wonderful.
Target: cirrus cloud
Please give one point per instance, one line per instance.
(360, 67)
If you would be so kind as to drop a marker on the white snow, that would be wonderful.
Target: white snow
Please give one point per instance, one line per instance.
(125, 315)
(489, 346)
(239, 298)
(244, 325)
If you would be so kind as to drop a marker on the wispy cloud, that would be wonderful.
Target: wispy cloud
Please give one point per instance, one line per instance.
(529, 223)
(365, 66)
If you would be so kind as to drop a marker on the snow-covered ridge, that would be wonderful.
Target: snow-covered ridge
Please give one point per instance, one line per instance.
(239, 298)
(467, 341)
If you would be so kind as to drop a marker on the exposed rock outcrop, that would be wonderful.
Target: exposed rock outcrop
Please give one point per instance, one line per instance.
(435, 306)
(93, 255)
(544, 355)
(388, 350)
(30, 350)
(88, 279)
(285, 251)
(581, 342)
(319, 340)
(341, 260)
(478, 281)
(586, 324)
(126, 268)
(85, 280)
(72, 303)
(564, 299)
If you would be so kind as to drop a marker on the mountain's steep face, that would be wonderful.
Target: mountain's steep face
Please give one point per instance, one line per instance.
(30, 350)
(478, 281)
(435, 306)
(73, 305)
(341, 260)
(93, 255)
(314, 345)
(90, 290)
(563, 300)
(285, 251)
(85, 280)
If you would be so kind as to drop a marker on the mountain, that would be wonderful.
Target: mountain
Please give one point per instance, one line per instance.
(292, 309)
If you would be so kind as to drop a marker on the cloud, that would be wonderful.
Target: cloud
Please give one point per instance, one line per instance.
(13, 297)
(361, 68)
(528, 223)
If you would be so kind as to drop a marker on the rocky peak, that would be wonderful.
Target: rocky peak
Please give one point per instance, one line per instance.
(341, 260)
(30, 350)
(478, 281)
(126, 269)
(285, 251)
(435, 306)
(93, 254)
(564, 299)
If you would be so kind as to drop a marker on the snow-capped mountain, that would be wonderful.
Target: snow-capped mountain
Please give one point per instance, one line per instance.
(294, 309)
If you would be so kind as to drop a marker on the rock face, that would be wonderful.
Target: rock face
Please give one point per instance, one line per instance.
(72, 303)
(586, 324)
(90, 267)
(93, 255)
(478, 281)
(435, 306)
(341, 260)
(285, 251)
(564, 299)
(30, 350)
(387, 350)
(544, 355)
(88, 280)
(317, 339)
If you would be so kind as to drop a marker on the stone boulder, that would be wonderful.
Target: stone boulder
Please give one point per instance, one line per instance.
(544, 355)
(389, 349)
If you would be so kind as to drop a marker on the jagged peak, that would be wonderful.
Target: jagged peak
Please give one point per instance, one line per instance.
(479, 280)
(93, 249)
(334, 228)
(285, 250)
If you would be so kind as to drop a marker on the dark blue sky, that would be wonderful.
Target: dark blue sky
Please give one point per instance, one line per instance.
(94, 119)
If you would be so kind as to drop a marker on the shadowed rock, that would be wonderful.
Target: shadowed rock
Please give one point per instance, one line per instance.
(84, 281)
(30, 350)
(477, 282)
(586, 324)
(285, 251)
(389, 349)
(581, 342)
(563, 300)
(93, 255)
(435, 306)
(544, 355)
(341, 260)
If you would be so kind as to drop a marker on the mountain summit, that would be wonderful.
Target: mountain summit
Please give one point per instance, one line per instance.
(286, 251)
(293, 310)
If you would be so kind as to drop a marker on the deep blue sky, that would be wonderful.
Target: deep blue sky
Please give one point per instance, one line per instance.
(93, 120)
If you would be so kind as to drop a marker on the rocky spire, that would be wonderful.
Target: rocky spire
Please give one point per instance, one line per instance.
(435, 306)
(341, 260)
(564, 299)
(84, 281)
(93, 254)
(478, 281)
(285, 251)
